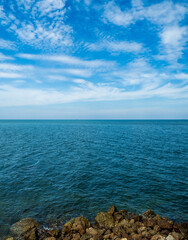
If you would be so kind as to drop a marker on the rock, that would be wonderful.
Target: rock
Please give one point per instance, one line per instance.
(158, 237)
(31, 234)
(78, 224)
(183, 227)
(149, 222)
(112, 210)
(54, 233)
(91, 231)
(104, 219)
(146, 234)
(50, 238)
(22, 226)
(156, 228)
(148, 214)
(8, 238)
(175, 236)
(164, 224)
(135, 236)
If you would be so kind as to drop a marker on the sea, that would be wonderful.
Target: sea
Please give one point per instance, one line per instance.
(55, 170)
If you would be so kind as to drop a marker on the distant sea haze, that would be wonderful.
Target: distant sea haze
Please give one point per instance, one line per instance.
(62, 169)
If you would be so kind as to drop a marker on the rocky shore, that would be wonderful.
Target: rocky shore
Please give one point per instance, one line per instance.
(113, 224)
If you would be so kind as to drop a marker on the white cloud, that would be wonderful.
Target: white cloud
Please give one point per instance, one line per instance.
(38, 23)
(69, 60)
(78, 72)
(14, 96)
(15, 67)
(5, 44)
(10, 75)
(182, 76)
(57, 78)
(49, 7)
(114, 14)
(5, 57)
(162, 13)
(166, 15)
(115, 46)
(173, 40)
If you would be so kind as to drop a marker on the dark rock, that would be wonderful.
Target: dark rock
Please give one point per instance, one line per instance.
(22, 226)
(164, 224)
(183, 227)
(149, 222)
(104, 219)
(78, 224)
(31, 234)
(158, 237)
(148, 214)
(54, 233)
(112, 210)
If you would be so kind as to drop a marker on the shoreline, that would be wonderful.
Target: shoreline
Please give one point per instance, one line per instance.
(113, 224)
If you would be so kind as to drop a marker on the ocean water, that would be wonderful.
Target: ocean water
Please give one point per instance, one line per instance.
(62, 169)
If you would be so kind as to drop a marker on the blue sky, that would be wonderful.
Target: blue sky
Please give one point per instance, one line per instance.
(88, 59)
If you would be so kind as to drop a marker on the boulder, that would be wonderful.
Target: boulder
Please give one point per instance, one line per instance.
(24, 225)
(31, 234)
(164, 224)
(104, 219)
(78, 224)
(158, 237)
(148, 214)
(112, 210)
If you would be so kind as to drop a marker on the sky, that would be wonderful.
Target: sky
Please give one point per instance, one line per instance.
(93, 59)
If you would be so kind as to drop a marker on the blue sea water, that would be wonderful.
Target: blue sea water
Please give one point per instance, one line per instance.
(61, 169)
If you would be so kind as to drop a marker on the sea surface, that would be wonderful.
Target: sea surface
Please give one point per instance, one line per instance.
(62, 169)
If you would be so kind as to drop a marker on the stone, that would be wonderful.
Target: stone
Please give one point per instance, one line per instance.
(78, 224)
(31, 234)
(104, 219)
(112, 210)
(156, 228)
(50, 238)
(183, 227)
(148, 214)
(158, 237)
(8, 238)
(149, 222)
(22, 226)
(92, 231)
(175, 236)
(54, 233)
(142, 229)
(136, 236)
(164, 224)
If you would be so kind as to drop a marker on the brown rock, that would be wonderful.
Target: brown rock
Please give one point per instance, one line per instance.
(54, 233)
(175, 236)
(8, 238)
(112, 210)
(183, 227)
(148, 214)
(91, 231)
(146, 234)
(142, 229)
(118, 217)
(31, 234)
(78, 224)
(104, 219)
(50, 238)
(164, 224)
(156, 228)
(135, 236)
(158, 237)
(149, 222)
(23, 226)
